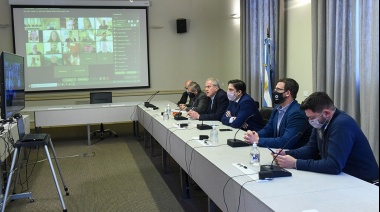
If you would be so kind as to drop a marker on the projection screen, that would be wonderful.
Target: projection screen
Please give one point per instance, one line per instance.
(74, 48)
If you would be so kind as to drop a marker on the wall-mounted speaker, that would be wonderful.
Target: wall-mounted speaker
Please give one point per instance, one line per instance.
(181, 25)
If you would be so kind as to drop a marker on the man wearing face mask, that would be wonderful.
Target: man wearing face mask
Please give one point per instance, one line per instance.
(285, 122)
(198, 99)
(337, 144)
(185, 94)
(241, 106)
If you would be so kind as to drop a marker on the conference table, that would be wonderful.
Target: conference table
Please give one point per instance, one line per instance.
(67, 115)
(219, 170)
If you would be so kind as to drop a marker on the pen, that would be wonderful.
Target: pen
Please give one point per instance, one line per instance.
(271, 150)
(189, 111)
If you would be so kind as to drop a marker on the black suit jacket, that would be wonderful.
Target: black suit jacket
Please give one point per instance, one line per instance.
(219, 106)
(183, 99)
(198, 103)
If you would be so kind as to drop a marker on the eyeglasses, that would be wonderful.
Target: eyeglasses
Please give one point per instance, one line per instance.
(279, 89)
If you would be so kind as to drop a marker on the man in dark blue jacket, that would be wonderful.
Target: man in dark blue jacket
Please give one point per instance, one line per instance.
(287, 124)
(242, 111)
(336, 144)
(217, 102)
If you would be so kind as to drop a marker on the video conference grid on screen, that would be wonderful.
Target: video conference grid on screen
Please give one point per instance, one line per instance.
(71, 48)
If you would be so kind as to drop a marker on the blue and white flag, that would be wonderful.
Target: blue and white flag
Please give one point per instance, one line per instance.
(267, 85)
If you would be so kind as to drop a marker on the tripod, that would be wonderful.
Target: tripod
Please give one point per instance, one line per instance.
(16, 155)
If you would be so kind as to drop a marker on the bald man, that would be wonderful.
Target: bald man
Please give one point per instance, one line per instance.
(185, 94)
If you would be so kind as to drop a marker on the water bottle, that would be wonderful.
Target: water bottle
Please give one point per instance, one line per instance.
(214, 135)
(255, 156)
(168, 109)
(166, 114)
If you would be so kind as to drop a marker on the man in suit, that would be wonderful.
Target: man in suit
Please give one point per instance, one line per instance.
(198, 99)
(35, 50)
(185, 94)
(217, 102)
(53, 49)
(241, 107)
(285, 122)
(337, 144)
(71, 37)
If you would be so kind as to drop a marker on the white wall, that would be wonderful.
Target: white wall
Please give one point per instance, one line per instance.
(6, 36)
(230, 52)
(210, 48)
(174, 57)
(299, 44)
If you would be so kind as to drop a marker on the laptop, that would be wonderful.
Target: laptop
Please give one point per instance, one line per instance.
(28, 137)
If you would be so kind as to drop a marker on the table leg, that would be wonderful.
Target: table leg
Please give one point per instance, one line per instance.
(88, 134)
(185, 186)
(211, 205)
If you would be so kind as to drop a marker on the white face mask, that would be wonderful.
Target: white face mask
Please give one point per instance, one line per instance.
(231, 95)
(315, 123)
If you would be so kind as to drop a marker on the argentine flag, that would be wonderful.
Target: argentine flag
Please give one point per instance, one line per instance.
(267, 85)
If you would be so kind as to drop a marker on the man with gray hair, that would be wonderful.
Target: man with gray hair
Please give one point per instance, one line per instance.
(217, 102)
(198, 99)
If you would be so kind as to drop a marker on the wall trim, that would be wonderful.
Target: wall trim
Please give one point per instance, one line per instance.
(85, 95)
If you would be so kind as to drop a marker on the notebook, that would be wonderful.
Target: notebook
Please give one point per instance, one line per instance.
(28, 137)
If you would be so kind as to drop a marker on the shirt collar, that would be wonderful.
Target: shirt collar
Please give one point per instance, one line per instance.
(237, 101)
(283, 109)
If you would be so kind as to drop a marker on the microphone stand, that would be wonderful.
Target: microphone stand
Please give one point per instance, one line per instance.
(147, 103)
(272, 171)
(203, 126)
(236, 142)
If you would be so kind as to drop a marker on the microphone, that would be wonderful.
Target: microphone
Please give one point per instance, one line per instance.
(271, 171)
(179, 116)
(236, 142)
(151, 97)
(203, 126)
(147, 103)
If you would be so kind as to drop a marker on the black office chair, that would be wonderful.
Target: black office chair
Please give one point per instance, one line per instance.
(97, 98)
(257, 104)
(265, 113)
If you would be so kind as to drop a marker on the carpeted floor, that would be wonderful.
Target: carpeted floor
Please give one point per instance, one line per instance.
(115, 174)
